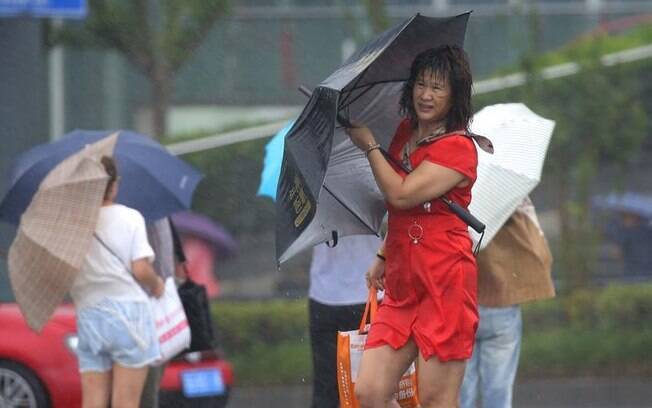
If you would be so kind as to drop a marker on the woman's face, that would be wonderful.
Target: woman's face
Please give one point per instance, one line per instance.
(431, 97)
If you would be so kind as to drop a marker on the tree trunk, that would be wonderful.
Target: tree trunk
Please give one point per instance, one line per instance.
(160, 94)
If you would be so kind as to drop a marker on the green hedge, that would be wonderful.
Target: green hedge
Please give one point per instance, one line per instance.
(568, 351)
(617, 306)
(267, 341)
(589, 332)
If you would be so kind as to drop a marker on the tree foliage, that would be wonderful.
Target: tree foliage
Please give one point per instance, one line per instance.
(600, 118)
(156, 36)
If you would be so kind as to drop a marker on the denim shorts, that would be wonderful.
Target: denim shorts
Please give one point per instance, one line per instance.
(113, 332)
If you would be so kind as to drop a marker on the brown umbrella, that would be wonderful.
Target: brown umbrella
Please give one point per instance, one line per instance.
(56, 230)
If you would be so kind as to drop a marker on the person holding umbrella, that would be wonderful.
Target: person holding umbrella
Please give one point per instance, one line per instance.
(426, 265)
(117, 338)
(514, 268)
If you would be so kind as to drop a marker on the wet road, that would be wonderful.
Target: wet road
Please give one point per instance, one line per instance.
(584, 393)
(550, 393)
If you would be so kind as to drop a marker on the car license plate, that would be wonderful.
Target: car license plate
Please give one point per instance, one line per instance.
(202, 383)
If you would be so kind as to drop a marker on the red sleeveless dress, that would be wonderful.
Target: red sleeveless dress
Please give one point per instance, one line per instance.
(430, 272)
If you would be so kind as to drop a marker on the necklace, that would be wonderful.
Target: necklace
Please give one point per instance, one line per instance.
(437, 132)
(407, 150)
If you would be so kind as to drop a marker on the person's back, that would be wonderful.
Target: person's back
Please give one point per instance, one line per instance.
(105, 273)
(514, 268)
(117, 336)
(336, 274)
(337, 296)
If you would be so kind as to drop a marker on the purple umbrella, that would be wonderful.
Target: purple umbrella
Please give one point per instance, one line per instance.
(203, 227)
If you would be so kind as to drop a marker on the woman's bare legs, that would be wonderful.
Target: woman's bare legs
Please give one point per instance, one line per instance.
(128, 384)
(381, 369)
(96, 389)
(439, 382)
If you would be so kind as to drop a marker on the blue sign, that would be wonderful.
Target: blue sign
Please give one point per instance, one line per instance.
(43, 8)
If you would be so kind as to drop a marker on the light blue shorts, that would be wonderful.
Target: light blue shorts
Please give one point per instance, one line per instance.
(116, 332)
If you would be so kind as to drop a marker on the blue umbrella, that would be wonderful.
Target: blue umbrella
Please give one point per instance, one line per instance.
(153, 181)
(272, 164)
(630, 202)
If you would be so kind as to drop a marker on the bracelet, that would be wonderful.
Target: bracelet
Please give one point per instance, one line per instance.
(381, 256)
(371, 148)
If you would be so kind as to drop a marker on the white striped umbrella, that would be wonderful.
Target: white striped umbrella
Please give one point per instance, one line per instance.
(520, 138)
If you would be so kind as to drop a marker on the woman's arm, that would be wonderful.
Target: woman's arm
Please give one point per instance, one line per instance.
(426, 182)
(375, 275)
(146, 276)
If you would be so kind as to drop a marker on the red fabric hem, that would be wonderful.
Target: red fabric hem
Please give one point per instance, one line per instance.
(394, 339)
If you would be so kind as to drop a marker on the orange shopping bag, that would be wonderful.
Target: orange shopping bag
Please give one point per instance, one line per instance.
(350, 345)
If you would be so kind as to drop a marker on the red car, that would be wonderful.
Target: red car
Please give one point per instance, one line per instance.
(41, 370)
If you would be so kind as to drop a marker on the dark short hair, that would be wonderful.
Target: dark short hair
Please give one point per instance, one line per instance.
(112, 171)
(452, 64)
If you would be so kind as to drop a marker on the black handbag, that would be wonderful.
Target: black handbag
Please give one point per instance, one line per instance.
(195, 303)
(197, 308)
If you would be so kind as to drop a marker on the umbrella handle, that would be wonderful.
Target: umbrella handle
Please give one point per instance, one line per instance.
(343, 121)
(464, 215)
(461, 212)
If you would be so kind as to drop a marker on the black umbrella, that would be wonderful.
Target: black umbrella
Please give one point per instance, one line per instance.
(326, 188)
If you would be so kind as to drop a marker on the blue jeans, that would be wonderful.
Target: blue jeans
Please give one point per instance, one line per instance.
(491, 370)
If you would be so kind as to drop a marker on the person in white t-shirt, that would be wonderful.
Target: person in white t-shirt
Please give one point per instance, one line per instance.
(117, 338)
(337, 297)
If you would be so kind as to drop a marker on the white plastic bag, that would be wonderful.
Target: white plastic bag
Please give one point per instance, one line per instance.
(171, 323)
(350, 346)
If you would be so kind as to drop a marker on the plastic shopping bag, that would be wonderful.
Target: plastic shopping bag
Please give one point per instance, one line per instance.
(350, 345)
(171, 323)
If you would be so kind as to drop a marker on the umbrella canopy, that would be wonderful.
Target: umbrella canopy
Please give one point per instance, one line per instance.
(630, 202)
(321, 165)
(272, 163)
(203, 227)
(56, 230)
(520, 138)
(153, 181)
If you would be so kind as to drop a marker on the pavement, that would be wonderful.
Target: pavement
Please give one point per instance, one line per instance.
(584, 392)
(540, 393)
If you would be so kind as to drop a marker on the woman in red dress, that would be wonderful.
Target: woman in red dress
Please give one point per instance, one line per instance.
(426, 265)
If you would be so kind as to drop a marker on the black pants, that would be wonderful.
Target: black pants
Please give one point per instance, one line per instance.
(325, 321)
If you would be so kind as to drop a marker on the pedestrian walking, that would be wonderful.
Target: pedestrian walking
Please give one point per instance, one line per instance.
(426, 264)
(336, 301)
(117, 338)
(513, 269)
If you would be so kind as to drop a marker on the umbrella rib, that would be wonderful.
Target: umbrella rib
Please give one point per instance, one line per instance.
(354, 86)
(349, 103)
(364, 71)
(350, 210)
